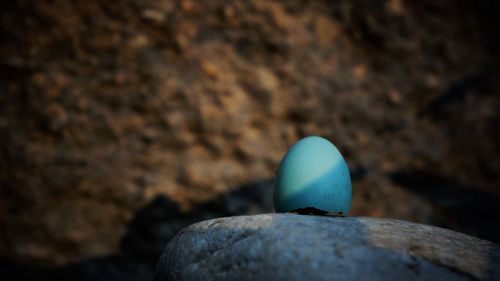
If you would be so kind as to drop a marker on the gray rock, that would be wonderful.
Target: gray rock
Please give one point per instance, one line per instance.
(296, 247)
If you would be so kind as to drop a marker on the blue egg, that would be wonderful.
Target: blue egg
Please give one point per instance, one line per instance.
(313, 174)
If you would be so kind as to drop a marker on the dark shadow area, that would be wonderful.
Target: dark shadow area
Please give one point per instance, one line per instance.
(481, 83)
(147, 234)
(159, 221)
(113, 267)
(466, 208)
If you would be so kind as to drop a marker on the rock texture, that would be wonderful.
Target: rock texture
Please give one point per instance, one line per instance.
(294, 247)
(106, 105)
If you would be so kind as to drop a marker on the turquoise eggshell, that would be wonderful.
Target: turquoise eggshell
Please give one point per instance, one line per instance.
(313, 173)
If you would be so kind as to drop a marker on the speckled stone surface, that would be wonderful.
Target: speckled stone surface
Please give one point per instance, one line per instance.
(296, 247)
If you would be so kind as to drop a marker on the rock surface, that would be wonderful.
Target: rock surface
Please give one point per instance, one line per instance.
(294, 247)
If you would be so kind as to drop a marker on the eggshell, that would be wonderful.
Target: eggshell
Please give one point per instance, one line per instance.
(314, 174)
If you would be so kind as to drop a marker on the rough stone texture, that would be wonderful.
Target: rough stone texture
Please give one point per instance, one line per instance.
(295, 247)
(106, 105)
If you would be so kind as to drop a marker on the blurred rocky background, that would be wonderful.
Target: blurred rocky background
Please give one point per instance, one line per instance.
(123, 121)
